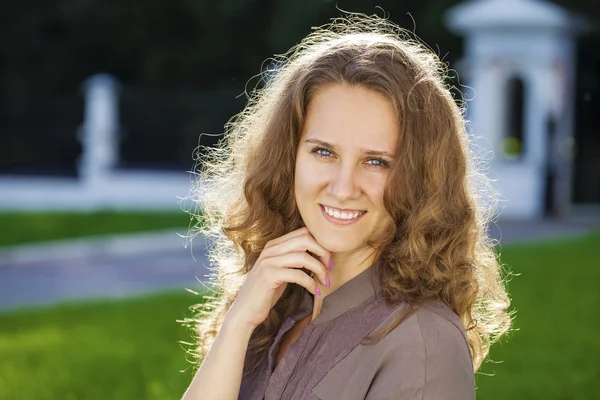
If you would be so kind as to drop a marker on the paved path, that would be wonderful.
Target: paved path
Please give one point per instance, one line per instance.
(36, 275)
(510, 232)
(108, 267)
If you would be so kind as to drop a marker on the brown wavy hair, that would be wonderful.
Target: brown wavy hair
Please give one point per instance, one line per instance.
(437, 195)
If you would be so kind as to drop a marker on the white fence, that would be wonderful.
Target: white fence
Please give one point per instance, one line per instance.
(99, 184)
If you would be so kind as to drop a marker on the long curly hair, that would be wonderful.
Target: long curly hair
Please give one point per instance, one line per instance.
(437, 194)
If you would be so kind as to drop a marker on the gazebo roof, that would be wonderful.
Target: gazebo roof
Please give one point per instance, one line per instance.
(509, 14)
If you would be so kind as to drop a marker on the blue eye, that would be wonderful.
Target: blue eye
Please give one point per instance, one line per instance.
(319, 150)
(322, 152)
(381, 161)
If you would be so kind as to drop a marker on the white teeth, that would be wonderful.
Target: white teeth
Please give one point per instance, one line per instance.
(342, 215)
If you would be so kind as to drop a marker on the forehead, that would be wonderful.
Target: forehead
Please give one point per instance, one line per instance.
(352, 116)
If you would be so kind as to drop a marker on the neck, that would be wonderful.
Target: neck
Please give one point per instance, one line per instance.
(347, 265)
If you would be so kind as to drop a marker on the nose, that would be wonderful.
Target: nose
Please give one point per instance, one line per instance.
(344, 184)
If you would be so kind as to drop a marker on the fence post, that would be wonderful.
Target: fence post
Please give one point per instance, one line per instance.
(99, 134)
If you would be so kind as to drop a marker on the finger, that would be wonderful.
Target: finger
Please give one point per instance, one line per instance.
(286, 275)
(304, 242)
(299, 259)
(324, 256)
(281, 239)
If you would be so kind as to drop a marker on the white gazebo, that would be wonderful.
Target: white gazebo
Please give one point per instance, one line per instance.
(520, 60)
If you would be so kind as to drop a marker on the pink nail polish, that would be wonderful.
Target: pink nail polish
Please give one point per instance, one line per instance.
(330, 265)
(318, 291)
(328, 282)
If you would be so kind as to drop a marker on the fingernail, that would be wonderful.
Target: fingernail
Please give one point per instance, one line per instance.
(331, 265)
(328, 282)
(318, 291)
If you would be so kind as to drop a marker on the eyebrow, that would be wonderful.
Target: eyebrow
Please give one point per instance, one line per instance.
(366, 151)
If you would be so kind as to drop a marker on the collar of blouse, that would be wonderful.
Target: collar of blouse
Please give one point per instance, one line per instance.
(352, 293)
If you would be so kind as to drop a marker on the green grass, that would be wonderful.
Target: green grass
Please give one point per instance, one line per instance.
(30, 227)
(120, 349)
(553, 352)
(127, 349)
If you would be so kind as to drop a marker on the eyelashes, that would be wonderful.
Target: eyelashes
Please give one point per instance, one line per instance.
(318, 151)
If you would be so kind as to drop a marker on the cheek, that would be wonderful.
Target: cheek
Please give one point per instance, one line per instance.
(376, 188)
(301, 181)
(304, 176)
(298, 177)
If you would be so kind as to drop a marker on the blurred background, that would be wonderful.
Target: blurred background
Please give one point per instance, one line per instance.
(102, 107)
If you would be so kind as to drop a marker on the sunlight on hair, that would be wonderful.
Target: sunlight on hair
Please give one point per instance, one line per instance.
(440, 197)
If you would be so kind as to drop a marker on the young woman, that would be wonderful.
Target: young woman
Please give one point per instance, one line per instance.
(349, 222)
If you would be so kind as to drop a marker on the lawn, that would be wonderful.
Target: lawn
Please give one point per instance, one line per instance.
(120, 349)
(127, 349)
(553, 352)
(28, 227)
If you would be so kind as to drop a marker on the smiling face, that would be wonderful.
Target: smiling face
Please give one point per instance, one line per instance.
(343, 161)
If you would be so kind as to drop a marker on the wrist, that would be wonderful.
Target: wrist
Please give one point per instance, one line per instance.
(237, 326)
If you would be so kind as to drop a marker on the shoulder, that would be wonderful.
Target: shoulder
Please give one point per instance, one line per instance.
(437, 327)
(426, 357)
(431, 323)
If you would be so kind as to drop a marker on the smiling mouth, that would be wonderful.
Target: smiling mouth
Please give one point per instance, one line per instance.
(340, 220)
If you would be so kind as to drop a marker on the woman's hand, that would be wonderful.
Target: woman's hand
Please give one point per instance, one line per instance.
(278, 264)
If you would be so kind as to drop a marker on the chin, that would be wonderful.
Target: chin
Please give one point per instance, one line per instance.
(337, 244)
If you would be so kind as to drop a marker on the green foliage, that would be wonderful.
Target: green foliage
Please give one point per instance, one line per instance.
(28, 227)
(124, 349)
(50, 48)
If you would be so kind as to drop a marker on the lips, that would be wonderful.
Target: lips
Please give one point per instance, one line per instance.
(339, 221)
(343, 209)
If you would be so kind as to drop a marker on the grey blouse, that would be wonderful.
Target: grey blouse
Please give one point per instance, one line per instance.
(426, 357)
